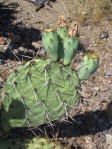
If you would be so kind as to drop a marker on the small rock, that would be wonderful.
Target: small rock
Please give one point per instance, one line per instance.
(70, 141)
(36, 44)
(110, 146)
(81, 142)
(104, 34)
(84, 42)
(109, 73)
(109, 139)
(89, 143)
(22, 50)
(103, 88)
(2, 41)
(96, 88)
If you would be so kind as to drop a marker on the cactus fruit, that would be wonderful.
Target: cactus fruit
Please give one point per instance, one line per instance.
(88, 66)
(62, 31)
(70, 44)
(39, 91)
(51, 44)
(73, 29)
(35, 143)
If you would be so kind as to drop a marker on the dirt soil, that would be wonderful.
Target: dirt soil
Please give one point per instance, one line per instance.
(20, 24)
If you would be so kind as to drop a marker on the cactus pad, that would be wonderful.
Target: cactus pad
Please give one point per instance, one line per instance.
(62, 32)
(38, 92)
(70, 49)
(50, 42)
(88, 66)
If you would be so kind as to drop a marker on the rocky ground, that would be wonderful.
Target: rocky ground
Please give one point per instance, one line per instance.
(20, 26)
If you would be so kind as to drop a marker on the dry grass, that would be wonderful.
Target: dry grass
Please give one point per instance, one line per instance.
(100, 8)
(94, 9)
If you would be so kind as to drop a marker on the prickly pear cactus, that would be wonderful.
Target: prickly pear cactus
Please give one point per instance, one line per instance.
(62, 31)
(50, 42)
(62, 43)
(70, 44)
(70, 49)
(35, 143)
(39, 91)
(88, 66)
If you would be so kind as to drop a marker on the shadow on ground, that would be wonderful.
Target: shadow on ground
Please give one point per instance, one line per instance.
(84, 124)
(19, 35)
(89, 123)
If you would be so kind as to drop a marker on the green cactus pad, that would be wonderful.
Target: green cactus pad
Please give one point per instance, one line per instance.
(70, 49)
(88, 66)
(62, 32)
(35, 143)
(38, 92)
(50, 42)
